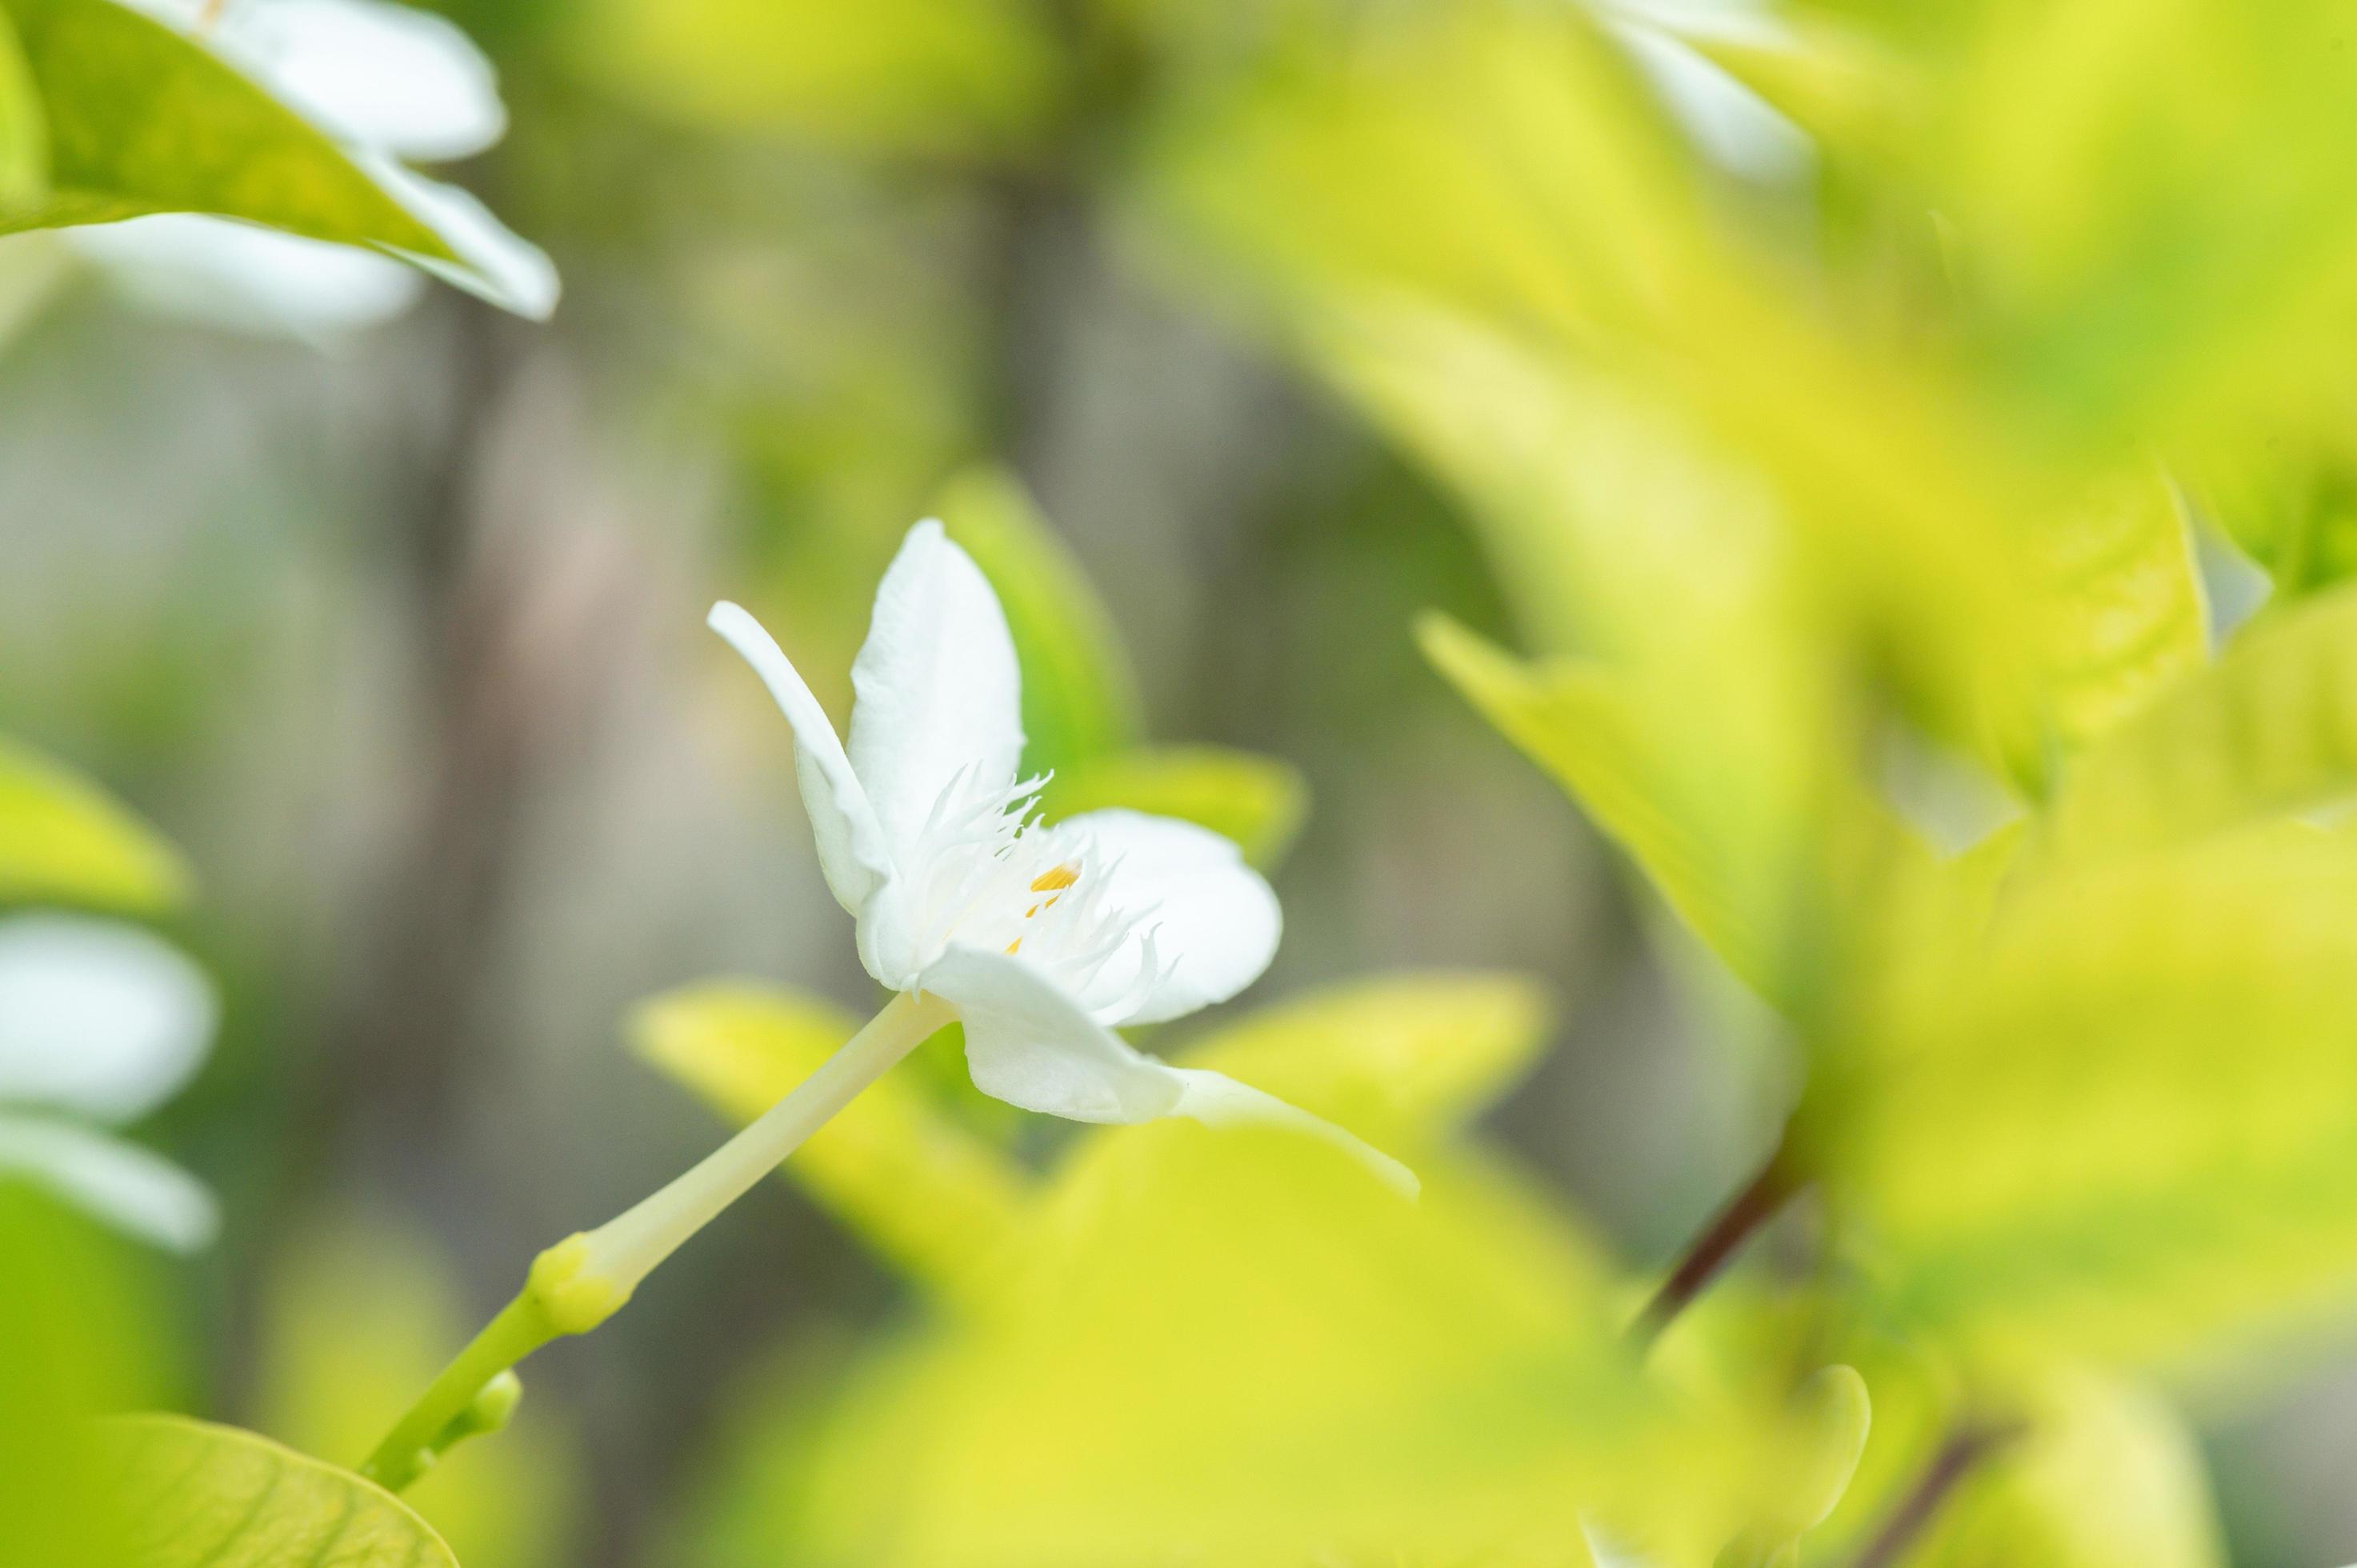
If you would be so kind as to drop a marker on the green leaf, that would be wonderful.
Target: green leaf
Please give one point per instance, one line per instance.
(2270, 729)
(24, 134)
(932, 1197)
(141, 120)
(1401, 1060)
(193, 1494)
(2122, 1128)
(1080, 697)
(1258, 801)
(85, 1338)
(946, 76)
(62, 840)
(2289, 503)
(356, 1313)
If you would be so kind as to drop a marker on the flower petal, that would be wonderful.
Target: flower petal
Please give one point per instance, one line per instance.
(939, 697)
(124, 1185)
(384, 76)
(246, 279)
(852, 850)
(1029, 1043)
(97, 1016)
(1214, 920)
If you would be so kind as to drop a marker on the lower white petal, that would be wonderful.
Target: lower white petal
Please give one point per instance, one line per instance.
(120, 1183)
(1214, 920)
(1029, 1043)
(97, 1016)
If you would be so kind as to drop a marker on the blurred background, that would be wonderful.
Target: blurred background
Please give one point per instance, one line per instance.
(394, 627)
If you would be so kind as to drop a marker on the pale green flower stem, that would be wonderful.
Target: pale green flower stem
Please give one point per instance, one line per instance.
(585, 1279)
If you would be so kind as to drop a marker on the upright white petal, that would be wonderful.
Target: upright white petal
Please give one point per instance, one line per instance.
(1031, 1045)
(852, 850)
(939, 699)
(123, 1185)
(97, 1016)
(1213, 920)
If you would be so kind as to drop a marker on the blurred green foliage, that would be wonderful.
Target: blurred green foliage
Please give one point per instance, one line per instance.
(1856, 539)
(62, 840)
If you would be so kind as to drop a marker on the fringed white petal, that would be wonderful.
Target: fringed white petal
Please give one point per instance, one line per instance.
(1201, 924)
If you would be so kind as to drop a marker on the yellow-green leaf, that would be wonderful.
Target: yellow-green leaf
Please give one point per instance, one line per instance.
(1824, 1435)
(2124, 1128)
(1595, 733)
(1400, 1060)
(929, 1195)
(885, 76)
(2105, 1474)
(1258, 801)
(2124, 612)
(24, 134)
(193, 1494)
(63, 839)
(2271, 728)
(1234, 1342)
(1080, 697)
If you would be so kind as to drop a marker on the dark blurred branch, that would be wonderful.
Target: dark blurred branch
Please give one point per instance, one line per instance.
(1709, 1252)
(1968, 1446)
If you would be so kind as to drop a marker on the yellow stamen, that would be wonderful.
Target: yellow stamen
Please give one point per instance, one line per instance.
(1056, 881)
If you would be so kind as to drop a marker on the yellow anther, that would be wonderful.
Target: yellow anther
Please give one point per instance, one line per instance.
(1056, 881)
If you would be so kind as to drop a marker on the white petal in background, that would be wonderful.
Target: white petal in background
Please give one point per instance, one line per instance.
(389, 77)
(394, 82)
(123, 1185)
(380, 75)
(222, 274)
(97, 1017)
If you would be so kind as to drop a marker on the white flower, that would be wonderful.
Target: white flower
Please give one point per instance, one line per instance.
(1041, 940)
(390, 82)
(100, 1023)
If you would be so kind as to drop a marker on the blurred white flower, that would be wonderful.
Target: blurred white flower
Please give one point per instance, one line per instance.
(100, 1024)
(392, 83)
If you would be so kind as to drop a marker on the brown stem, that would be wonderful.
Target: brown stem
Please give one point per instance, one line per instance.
(1967, 1445)
(1757, 1204)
